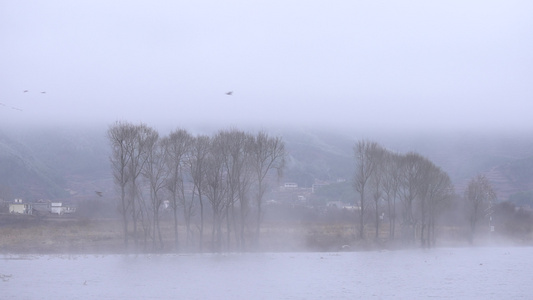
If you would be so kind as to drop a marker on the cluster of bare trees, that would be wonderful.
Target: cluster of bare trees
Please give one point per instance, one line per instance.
(224, 176)
(409, 189)
(479, 197)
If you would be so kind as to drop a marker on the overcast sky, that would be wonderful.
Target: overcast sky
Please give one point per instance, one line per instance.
(372, 64)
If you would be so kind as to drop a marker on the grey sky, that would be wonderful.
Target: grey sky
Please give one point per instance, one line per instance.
(375, 64)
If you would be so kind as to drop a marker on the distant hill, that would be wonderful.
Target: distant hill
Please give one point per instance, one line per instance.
(512, 177)
(73, 163)
(317, 156)
(53, 163)
(24, 175)
(506, 159)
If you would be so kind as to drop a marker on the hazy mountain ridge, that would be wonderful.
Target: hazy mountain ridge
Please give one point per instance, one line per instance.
(512, 177)
(23, 175)
(320, 156)
(506, 159)
(51, 163)
(74, 163)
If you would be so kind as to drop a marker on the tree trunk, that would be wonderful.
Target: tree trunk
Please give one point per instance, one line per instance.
(124, 216)
(377, 218)
(362, 215)
(201, 243)
(175, 211)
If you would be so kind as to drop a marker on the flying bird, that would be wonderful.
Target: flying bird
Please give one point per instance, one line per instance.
(229, 93)
(12, 107)
(43, 92)
(98, 193)
(25, 91)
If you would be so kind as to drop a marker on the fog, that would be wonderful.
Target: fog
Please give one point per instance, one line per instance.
(444, 65)
(480, 273)
(458, 69)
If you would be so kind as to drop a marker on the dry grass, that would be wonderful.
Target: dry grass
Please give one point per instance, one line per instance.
(60, 235)
(63, 236)
(106, 236)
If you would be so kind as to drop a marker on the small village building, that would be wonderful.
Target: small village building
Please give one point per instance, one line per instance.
(19, 207)
(290, 185)
(59, 208)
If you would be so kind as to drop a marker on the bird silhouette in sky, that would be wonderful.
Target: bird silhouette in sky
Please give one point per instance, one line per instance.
(229, 93)
(25, 91)
(98, 193)
(43, 92)
(12, 107)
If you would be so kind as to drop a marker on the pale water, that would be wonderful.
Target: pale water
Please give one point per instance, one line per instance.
(451, 273)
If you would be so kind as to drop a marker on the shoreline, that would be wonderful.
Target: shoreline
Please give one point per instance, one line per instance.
(60, 236)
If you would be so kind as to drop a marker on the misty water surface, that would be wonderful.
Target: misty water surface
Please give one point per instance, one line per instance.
(451, 273)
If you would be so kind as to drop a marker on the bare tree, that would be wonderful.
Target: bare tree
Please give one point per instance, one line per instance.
(178, 145)
(121, 137)
(230, 148)
(412, 175)
(144, 214)
(215, 189)
(230, 151)
(268, 153)
(434, 188)
(440, 194)
(391, 185)
(155, 174)
(245, 181)
(237, 149)
(129, 154)
(196, 161)
(144, 137)
(366, 165)
(479, 196)
(427, 173)
(376, 184)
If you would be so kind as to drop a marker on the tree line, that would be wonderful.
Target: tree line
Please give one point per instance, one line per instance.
(215, 186)
(222, 177)
(413, 192)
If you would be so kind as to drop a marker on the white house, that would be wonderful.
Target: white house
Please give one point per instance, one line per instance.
(18, 207)
(59, 208)
(290, 185)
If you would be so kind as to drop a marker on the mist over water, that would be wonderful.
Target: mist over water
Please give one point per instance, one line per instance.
(450, 273)
(448, 79)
